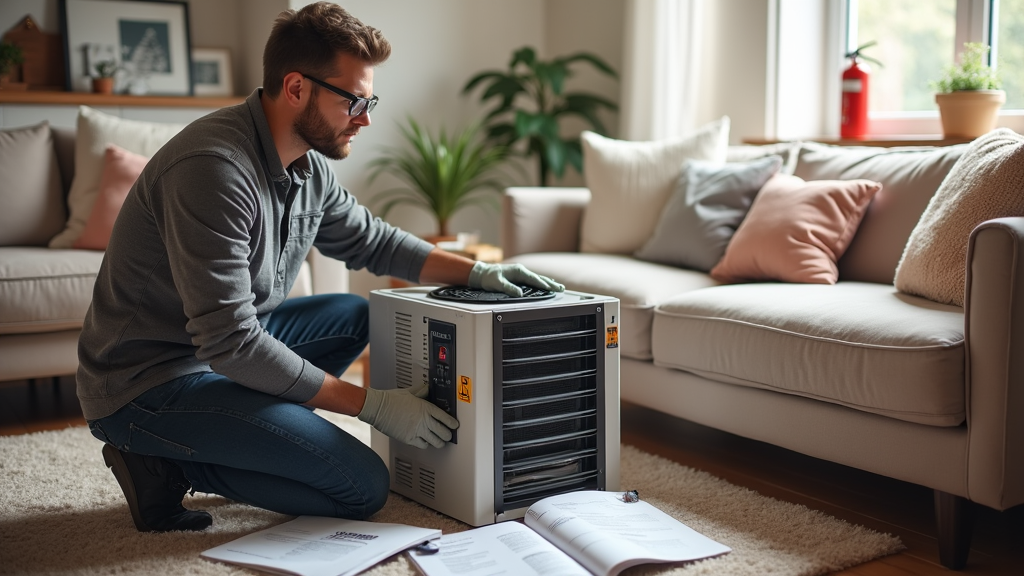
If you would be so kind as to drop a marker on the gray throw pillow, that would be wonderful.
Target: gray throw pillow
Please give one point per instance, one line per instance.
(708, 204)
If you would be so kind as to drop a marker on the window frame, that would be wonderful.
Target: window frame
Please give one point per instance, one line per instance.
(973, 24)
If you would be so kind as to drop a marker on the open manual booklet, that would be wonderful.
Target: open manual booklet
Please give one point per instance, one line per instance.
(318, 546)
(582, 533)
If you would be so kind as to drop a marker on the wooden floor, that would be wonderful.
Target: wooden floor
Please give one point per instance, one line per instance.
(857, 497)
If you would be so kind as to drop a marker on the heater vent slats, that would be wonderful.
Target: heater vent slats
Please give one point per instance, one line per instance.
(549, 407)
(403, 473)
(427, 483)
(403, 350)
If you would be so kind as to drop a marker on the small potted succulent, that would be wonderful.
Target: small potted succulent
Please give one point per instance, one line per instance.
(103, 79)
(969, 95)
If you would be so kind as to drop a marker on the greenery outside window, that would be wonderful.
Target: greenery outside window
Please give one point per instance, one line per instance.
(917, 40)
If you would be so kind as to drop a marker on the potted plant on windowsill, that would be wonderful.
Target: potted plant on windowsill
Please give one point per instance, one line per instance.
(969, 95)
(442, 174)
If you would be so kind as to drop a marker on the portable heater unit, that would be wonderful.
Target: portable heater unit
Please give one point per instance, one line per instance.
(533, 381)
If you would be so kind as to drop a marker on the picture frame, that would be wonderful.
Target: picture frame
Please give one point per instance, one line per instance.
(211, 72)
(148, 40)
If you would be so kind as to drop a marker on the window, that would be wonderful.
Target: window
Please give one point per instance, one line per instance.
(917, 40)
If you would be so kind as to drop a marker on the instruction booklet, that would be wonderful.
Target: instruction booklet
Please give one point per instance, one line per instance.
(589, 532)
(319, 546)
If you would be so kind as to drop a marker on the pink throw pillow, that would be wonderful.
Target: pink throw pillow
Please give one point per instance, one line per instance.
(796, 231)
(121, 169)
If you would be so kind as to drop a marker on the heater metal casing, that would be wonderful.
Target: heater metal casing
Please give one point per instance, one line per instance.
(534, 385)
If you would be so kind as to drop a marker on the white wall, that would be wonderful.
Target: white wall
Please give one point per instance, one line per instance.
(439, 44)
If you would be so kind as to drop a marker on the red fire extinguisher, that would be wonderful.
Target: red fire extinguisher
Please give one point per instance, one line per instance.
(854, 123)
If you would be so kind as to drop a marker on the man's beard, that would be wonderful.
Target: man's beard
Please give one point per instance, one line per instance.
(316, 132)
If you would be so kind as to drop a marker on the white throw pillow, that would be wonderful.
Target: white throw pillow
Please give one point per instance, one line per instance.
(94, 132)
(630, 182)
(31, 196)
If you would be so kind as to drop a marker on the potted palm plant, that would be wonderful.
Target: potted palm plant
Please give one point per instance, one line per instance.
(530, 105)
(442, 174)
(969, 95)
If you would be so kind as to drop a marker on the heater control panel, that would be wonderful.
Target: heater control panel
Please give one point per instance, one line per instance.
(441, 347)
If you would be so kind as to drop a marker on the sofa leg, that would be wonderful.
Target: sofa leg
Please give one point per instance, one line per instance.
(954, 516)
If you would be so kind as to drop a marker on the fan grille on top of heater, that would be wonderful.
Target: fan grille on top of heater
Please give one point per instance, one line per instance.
(480, 296)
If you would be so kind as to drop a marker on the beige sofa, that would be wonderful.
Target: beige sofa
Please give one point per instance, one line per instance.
(855, 373)
(44, 292)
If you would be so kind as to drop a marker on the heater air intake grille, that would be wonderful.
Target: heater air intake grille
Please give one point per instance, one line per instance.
(549, 407)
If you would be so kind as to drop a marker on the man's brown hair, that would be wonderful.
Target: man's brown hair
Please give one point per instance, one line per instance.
(309, 40)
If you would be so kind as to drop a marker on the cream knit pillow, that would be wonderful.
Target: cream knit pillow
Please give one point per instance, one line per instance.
(95, 130)
(987, 182)
(630, 182)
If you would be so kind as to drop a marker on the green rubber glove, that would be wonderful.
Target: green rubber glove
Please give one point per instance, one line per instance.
(504, 277)
(402, 414)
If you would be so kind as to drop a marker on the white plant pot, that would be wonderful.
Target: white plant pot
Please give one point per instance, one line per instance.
(969, 113)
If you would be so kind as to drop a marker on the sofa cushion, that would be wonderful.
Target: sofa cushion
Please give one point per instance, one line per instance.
(986, 183)
(31, 197)
(638, 285)
(95, 131)
(708, 204)
(796, 231)
(788, 151)
(43, 290)
(861, 345)
(121, 169)
(909, 177)
(631, 181)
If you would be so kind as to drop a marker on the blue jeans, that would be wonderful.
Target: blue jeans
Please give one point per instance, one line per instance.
(259, 449)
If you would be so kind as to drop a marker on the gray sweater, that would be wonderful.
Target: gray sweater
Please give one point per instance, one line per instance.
(207, 245)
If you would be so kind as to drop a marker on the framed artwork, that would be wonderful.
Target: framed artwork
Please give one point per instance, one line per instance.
(147, 41)
(211, 72)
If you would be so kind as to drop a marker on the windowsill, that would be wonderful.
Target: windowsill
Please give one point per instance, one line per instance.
(885, 140)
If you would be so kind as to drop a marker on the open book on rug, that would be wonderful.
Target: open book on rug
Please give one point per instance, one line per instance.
(318, 546)
(584, 533)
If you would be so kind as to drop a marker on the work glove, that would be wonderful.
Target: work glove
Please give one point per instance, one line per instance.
(504, 277)
(402, 414)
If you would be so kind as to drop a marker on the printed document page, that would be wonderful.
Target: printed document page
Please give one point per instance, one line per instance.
(607, 535)
(508, 548)
(319, 546)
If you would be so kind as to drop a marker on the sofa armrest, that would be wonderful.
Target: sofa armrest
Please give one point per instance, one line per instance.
(328, 275)
(995, 365)
(542, 219)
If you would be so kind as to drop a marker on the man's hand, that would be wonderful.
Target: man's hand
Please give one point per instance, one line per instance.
(504, 277)
(402, 414)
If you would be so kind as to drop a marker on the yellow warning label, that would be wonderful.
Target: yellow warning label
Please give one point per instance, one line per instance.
(466, 389)
(611, 339)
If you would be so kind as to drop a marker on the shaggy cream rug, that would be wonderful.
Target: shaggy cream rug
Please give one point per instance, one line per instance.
(61, 512)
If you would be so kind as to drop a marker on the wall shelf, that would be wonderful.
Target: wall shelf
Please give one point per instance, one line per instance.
(90, 99)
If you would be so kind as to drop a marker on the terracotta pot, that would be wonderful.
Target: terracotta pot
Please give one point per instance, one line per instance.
(103, 85)
(969, 113)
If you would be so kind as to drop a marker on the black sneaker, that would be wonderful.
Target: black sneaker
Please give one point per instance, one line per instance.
(154, 488)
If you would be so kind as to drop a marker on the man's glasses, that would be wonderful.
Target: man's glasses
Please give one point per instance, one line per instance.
(356, 104)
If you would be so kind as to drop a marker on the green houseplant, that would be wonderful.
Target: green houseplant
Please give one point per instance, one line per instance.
(968, 94)
(10, 56)
(442, 174)
(103, 79)
(529, 104)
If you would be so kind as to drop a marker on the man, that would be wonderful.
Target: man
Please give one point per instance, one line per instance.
(195, 370)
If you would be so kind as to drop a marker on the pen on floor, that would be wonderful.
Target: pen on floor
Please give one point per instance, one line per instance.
(427, 548)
